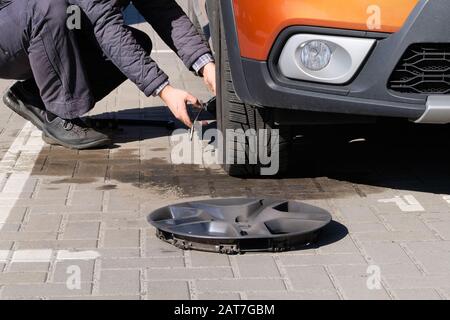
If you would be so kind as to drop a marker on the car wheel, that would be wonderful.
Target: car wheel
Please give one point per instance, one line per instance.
(234, 115)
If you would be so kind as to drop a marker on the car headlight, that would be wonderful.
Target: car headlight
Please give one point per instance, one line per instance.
(315, 55)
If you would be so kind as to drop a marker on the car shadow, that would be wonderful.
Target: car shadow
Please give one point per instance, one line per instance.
(139, 124)
(395, 155)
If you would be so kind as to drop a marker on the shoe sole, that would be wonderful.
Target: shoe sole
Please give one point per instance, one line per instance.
(48, 139)
(16, 105)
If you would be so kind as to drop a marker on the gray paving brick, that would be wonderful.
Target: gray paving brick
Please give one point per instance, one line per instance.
(101, 298)
(205, 259)
(383, 253)
(296, 295)
(121, 238)
(366, 227)
(122, 201)
(434, 256)
(345, 245)
(168, 290)
(117, 253)
(57, 244)
(442, 216)
(442, 228)
(15, 215)
(43, 290)
(139, 263)
(62, 271)
(29, 267)
(59, 209)
(417, 294)
(89, 170)
(81, 230)
(22, 277)
(356, 288)
(8, 227)
(406, 223)
(94, 198)
(120, 282)
(309, 278)
(10, 198)
(189, 273)
(60, 168)
(39, 202)
(240, 285)
(106, 217)
(396, 236)
(257, 266)
(321, 259)
(219, 296)
(446, 293)
(156, 248)
(394, 269)
(422, 282)
(43, 223)
(17, 180)
(129, 223)
(356, 213)
(400, 270)
(6, 245)
(52, 192)
(30, 236)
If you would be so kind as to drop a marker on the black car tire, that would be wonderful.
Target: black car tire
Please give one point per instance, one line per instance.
(233, 114)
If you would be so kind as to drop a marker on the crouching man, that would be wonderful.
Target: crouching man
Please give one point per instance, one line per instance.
(62, 73)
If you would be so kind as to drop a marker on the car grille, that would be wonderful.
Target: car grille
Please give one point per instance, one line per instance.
(423, 69)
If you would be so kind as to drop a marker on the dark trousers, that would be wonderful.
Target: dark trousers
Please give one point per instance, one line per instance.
(67, 67)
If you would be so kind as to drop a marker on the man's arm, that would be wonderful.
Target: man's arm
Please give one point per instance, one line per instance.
(119, 44)
(177, 31)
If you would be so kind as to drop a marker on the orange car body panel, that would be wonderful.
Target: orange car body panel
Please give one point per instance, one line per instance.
(260, 21)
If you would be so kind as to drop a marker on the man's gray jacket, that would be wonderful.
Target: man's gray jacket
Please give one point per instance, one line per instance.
(117, 42)
(119, 45)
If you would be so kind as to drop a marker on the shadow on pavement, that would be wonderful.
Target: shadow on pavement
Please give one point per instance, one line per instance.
(394, 155)
(329, 162)
(138, 124)
(332, 233)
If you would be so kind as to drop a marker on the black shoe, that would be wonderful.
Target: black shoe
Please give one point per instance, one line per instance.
(25, 103)
(72, 134)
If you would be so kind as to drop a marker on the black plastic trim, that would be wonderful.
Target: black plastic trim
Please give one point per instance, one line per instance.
(270, 94)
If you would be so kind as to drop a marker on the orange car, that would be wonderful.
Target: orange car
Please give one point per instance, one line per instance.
(283, 63)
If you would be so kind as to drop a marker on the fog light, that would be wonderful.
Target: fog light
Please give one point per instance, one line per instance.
(315, 55)
(323, 58)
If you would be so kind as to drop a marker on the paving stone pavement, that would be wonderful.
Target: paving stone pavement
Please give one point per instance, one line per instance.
(66, 213)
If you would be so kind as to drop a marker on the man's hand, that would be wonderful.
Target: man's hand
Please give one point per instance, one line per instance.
(176, 100)
(209, 76)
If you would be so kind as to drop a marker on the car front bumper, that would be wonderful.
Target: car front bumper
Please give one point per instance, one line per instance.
(260, 83)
